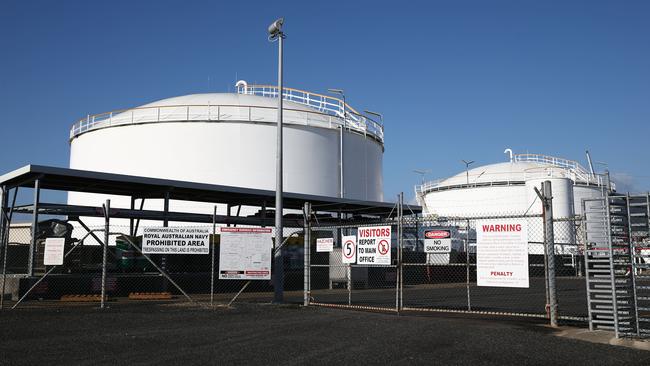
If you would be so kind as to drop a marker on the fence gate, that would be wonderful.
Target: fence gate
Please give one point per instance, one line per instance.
(617, 272)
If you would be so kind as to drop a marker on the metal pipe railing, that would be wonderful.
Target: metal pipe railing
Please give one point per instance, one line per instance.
(568, 169)
(224, 112)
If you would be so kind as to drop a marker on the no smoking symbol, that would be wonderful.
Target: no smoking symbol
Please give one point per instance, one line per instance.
(383, 247)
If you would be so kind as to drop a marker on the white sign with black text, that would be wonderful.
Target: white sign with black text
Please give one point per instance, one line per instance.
(53, 255)
(502, 253)
(373, 245)
(245, 253)
(325, 244)
(176, 240)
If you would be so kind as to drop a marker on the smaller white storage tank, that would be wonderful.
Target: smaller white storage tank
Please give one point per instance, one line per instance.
(507, 188)
(563, 208)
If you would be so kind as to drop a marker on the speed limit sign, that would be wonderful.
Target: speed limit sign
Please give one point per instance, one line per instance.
(349, 249)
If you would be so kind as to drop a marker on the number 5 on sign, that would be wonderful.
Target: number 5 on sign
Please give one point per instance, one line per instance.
(349, 249)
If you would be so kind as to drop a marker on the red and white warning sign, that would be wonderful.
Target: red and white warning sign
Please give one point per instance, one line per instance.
(437, 241)
(502, 253)
(349, 249)
(373, 245)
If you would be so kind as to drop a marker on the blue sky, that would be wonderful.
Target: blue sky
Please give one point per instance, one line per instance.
(454, 79)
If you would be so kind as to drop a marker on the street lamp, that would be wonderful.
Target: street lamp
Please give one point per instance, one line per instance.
(467, 163)
(275, 33)
(340, 92)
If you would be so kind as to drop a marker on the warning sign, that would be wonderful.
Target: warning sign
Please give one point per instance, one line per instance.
(53, 255)
(176, 240)
(245, 253)
(502, 253)
(437, 241)
(325, 244)
(349, 249)
(373, 245)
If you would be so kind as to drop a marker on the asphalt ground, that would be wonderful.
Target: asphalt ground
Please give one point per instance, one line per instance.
(572, 298)
(149, 333)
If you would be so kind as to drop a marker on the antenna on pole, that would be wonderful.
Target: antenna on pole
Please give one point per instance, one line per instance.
(591, 166)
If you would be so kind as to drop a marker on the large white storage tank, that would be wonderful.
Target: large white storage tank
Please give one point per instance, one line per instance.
(230, 139)
(508, 189)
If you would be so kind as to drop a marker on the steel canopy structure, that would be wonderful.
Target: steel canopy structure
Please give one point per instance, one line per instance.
(71, 180)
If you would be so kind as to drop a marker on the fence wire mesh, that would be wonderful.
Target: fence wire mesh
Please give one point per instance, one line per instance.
(335, 283)
(132, 276)
(414, 280)
(447, 282)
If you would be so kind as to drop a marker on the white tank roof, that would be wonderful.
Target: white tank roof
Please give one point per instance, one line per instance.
(520, 168)
(500, 172)
(234, 99)
(250, 103)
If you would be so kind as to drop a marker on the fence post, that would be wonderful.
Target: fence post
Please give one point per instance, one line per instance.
(3, 247)
(107, 207)
(214, 248)
(550, 249)
(4, 239)
(401, 249)
(3, 205)
(469, 299)
(32, 243)
(307, 253)
(398, 287)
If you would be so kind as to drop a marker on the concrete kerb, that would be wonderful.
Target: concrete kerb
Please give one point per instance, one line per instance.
(602, 337)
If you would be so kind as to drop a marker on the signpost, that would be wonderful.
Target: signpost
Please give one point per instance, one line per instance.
(502, 253)
(245, 253)
(176, 240)
(373, 245)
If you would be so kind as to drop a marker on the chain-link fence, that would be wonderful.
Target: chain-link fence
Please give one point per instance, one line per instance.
(413, 277)
(421, 277)
(126, 274)
(367, 286)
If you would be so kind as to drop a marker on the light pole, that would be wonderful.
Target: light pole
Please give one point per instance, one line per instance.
(340, 92)
(467, 163)
(275, 33)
